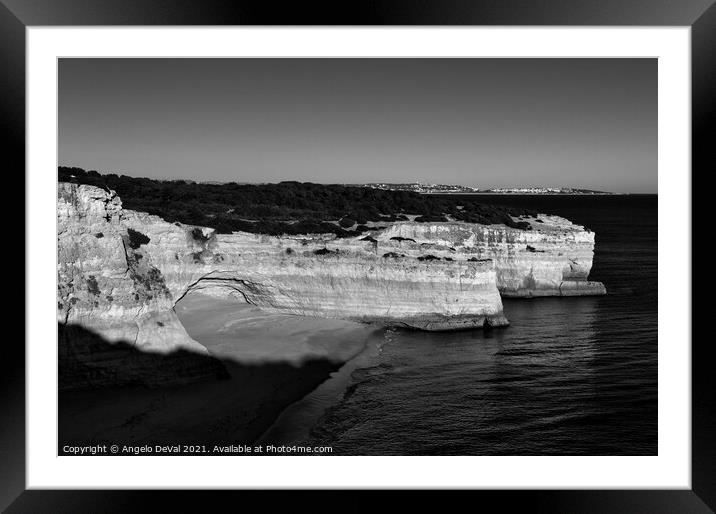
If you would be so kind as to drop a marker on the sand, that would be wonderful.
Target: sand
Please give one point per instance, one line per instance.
(273, 361)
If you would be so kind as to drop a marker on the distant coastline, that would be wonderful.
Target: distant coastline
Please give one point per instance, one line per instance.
(417, 187)
(412, 187)
(505, 193)
(424, 189)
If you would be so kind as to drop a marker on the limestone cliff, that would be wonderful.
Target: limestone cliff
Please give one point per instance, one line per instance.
(108, 292)
(121, 272)
(552, 259)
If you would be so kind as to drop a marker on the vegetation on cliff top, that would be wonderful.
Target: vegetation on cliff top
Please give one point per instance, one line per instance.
(287, 207)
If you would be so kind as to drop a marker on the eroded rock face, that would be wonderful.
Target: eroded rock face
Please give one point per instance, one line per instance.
(116, 320)
(106, 285)
(321, 276)
(552, 259)
(121, 272)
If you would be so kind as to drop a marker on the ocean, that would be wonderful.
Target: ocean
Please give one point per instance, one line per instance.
(569, 376)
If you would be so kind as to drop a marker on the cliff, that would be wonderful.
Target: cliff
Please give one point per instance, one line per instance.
(552, 259)
(121, 272)
(107, 293)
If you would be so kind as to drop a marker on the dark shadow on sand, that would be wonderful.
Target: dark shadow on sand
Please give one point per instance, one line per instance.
(88, 361)
(113, 393)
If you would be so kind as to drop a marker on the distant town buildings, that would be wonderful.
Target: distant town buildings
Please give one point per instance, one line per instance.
(417, 187)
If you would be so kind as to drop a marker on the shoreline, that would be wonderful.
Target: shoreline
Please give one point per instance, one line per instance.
(295, 424)
(273, 362)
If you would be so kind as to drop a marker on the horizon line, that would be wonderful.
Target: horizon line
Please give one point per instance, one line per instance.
(416, 182)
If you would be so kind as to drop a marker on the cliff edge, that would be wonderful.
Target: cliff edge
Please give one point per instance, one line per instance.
(121, 272)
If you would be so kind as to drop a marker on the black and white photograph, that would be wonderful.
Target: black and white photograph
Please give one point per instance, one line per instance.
(357, 256)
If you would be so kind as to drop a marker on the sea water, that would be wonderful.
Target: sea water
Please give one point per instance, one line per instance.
(569, 376)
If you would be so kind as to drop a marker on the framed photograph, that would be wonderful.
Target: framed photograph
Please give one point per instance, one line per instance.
(429, 249)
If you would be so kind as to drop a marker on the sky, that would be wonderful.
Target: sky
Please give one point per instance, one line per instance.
(584, 123)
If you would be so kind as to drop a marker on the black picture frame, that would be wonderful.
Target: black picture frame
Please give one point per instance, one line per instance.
(17, 15)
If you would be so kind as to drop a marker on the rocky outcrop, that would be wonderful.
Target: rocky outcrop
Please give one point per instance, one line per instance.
(105, 283)
(113, 305)
(121, 272)
(105, 275)
(552, 259)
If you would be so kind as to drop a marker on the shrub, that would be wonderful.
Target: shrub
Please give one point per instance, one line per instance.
(136, 239)
(287, 207)
(198, 235)
(428, 258)
(92, 286)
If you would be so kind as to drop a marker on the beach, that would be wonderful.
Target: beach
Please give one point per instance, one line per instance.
(272, 360)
